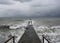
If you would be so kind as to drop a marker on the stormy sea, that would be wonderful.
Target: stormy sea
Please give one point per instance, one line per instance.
(50, 27)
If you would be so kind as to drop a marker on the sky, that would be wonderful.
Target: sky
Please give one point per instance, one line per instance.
(29, 8)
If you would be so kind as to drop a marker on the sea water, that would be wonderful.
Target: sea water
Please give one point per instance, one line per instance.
(47, 26)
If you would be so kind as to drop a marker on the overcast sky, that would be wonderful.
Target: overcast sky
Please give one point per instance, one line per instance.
(29, 8)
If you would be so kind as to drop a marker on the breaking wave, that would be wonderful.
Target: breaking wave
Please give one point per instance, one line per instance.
(52, 32)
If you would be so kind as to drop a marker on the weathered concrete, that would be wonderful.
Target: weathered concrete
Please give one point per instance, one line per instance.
(29, 36)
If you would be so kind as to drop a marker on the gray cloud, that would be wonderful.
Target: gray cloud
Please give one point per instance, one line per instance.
(4, 2)
(34, 8)
(23, 0)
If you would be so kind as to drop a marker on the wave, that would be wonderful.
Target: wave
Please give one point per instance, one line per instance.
(53, 32)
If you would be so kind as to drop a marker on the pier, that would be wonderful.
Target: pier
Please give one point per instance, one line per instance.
(29, 36)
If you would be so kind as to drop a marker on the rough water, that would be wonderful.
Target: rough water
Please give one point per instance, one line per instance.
(47, 26)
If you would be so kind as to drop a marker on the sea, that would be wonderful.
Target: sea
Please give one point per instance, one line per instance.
(50, 27)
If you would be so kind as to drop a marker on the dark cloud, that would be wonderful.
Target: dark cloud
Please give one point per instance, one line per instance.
(12, 13)
(18, 13)
(54, 13)
(24, 0)
(31, 8)
(4, 2)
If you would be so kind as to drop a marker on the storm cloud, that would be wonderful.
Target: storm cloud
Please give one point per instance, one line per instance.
(4, 2)
(23, 0)
(29, 8)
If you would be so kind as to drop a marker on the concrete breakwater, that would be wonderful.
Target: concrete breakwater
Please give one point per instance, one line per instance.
(29, 36)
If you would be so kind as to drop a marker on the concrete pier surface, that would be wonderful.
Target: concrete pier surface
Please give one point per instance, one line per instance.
(29, 36)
